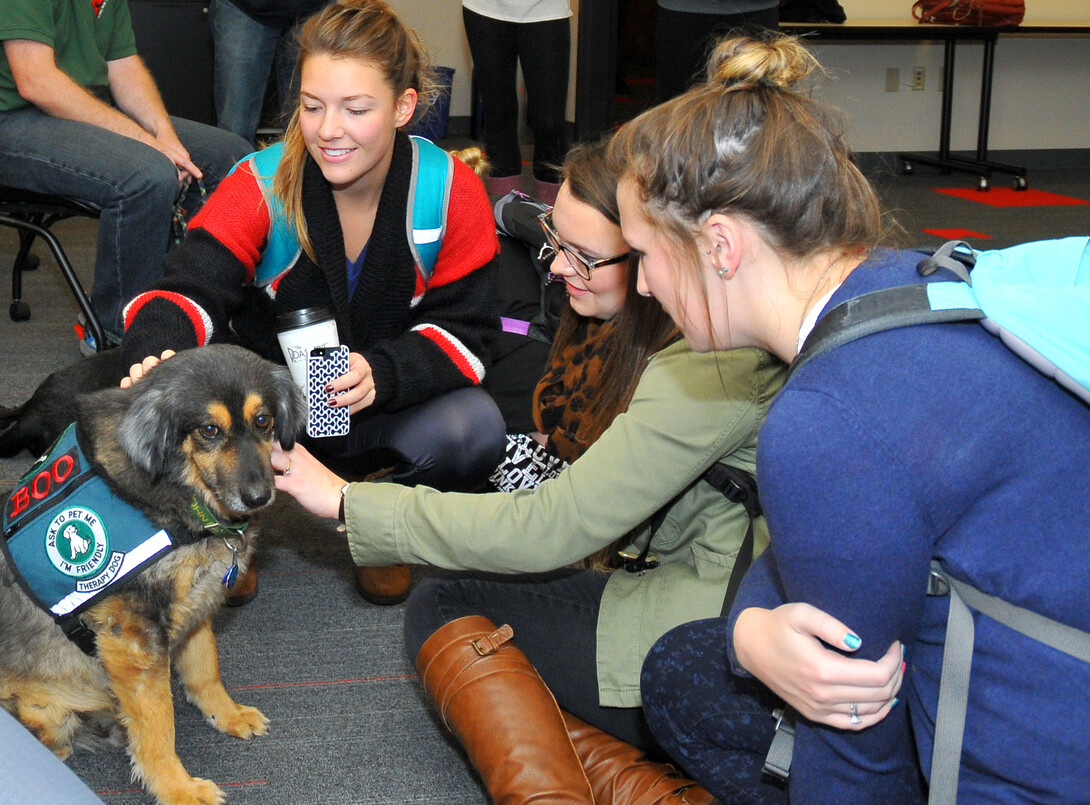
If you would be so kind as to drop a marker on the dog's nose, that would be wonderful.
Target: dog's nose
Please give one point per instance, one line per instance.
(257, 496)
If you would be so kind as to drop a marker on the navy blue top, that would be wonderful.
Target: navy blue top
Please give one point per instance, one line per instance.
(934, 441)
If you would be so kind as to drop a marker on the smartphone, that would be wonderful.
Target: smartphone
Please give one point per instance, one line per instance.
(325, 364)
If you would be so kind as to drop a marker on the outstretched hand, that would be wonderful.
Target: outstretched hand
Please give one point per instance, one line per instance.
(138, 370)
(307, 480)
(783, 648)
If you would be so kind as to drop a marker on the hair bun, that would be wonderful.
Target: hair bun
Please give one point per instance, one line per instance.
(773, 61)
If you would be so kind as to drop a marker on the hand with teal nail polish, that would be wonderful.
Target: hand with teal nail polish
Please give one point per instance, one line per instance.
(787, 649)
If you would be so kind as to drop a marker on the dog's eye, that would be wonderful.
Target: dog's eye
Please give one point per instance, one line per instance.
(263, 421)
(210, 431)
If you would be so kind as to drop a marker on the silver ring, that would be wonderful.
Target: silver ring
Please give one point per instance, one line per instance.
(853, 712)
(287, 471)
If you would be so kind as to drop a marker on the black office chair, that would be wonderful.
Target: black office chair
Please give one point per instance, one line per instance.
(33, 214)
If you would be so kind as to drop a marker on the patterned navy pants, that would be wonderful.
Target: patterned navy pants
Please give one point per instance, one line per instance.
(716, 725)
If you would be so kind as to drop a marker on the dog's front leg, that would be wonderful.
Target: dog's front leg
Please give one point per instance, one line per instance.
(137, 661)
(198, 667)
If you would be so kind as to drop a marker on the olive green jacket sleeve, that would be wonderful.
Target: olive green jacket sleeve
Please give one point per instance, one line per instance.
(689, 411)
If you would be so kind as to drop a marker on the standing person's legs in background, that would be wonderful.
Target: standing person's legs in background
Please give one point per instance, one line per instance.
(493, 45)
(682, 42)
(244, 52)
(134, 186)
(287, 74)
(544, 52)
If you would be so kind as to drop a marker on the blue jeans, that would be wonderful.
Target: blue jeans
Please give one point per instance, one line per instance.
(245, 51)
(132, 185)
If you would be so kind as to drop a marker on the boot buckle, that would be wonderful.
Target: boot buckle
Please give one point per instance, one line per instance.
(490, 644)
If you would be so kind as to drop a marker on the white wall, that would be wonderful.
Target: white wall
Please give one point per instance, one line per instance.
(1039, 89)
(439, 23)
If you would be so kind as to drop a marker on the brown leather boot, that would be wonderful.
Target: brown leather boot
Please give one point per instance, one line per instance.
(244, 590)
(621, 774)
(384, 585)
(498, 707)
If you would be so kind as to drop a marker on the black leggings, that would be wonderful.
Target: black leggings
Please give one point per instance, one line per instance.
(451, 442)
(683, 42)
(543, 49)
(555, 620)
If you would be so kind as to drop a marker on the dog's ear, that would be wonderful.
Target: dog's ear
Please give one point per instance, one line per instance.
(148, 431)
(291, 408)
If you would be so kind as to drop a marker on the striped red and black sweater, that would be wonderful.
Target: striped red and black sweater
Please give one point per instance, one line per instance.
(420, 341)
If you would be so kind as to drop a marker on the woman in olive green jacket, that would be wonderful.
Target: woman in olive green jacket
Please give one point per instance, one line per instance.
(584, 624)
(689, 411)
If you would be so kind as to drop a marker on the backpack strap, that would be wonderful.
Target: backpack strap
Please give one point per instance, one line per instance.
(957, 658)
(737, 486)
(429, 196)
(874, 312)
(281, 248)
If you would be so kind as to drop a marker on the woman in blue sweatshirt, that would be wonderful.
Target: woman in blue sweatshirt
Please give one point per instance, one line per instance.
(926, 442)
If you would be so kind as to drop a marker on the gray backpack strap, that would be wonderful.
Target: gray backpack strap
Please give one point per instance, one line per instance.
(780, 751)
(875, 312)
(957, 658)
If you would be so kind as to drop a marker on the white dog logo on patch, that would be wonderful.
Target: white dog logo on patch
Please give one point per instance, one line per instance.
(76, 544)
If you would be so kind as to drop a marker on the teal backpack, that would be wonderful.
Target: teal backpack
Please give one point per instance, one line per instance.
(1036, 298)
(426, 217)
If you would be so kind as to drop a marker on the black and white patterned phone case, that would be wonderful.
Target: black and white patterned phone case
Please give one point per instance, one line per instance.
(325, 364)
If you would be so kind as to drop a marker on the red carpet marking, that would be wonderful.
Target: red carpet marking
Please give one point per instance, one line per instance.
(315, 683)
(955, 234)
(1006, 197)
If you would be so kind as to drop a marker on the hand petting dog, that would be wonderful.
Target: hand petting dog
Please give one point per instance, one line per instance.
(309, 481)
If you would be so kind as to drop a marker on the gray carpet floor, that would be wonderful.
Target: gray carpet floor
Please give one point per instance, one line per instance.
(349, 720)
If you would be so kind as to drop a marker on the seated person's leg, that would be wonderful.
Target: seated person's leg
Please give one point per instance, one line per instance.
(715, 725)
(215, 151)
(564, 656)
(451, 442)
(133, 185)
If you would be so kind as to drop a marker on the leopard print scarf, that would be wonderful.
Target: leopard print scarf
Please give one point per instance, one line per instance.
(561, 408)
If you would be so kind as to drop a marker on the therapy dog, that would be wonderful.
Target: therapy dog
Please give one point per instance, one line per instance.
(88, 641)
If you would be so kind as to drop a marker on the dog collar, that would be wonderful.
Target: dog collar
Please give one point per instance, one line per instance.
(213, 525)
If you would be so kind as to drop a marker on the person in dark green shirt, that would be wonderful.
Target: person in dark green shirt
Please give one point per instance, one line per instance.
(80, 117)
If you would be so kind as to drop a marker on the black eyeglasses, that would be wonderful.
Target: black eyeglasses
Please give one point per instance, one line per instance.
(553, 245)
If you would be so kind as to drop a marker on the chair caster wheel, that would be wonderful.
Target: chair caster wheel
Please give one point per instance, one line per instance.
(31, 262)
(1019, 183)
(19, 311)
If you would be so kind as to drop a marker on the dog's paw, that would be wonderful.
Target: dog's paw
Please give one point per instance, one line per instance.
(196, 791)
(242, 722)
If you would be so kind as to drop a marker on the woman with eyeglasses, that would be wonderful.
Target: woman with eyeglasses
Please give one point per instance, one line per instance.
(604, 336)
(582, 574)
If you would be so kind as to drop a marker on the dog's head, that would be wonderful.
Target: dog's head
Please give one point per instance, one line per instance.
(206, 419)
